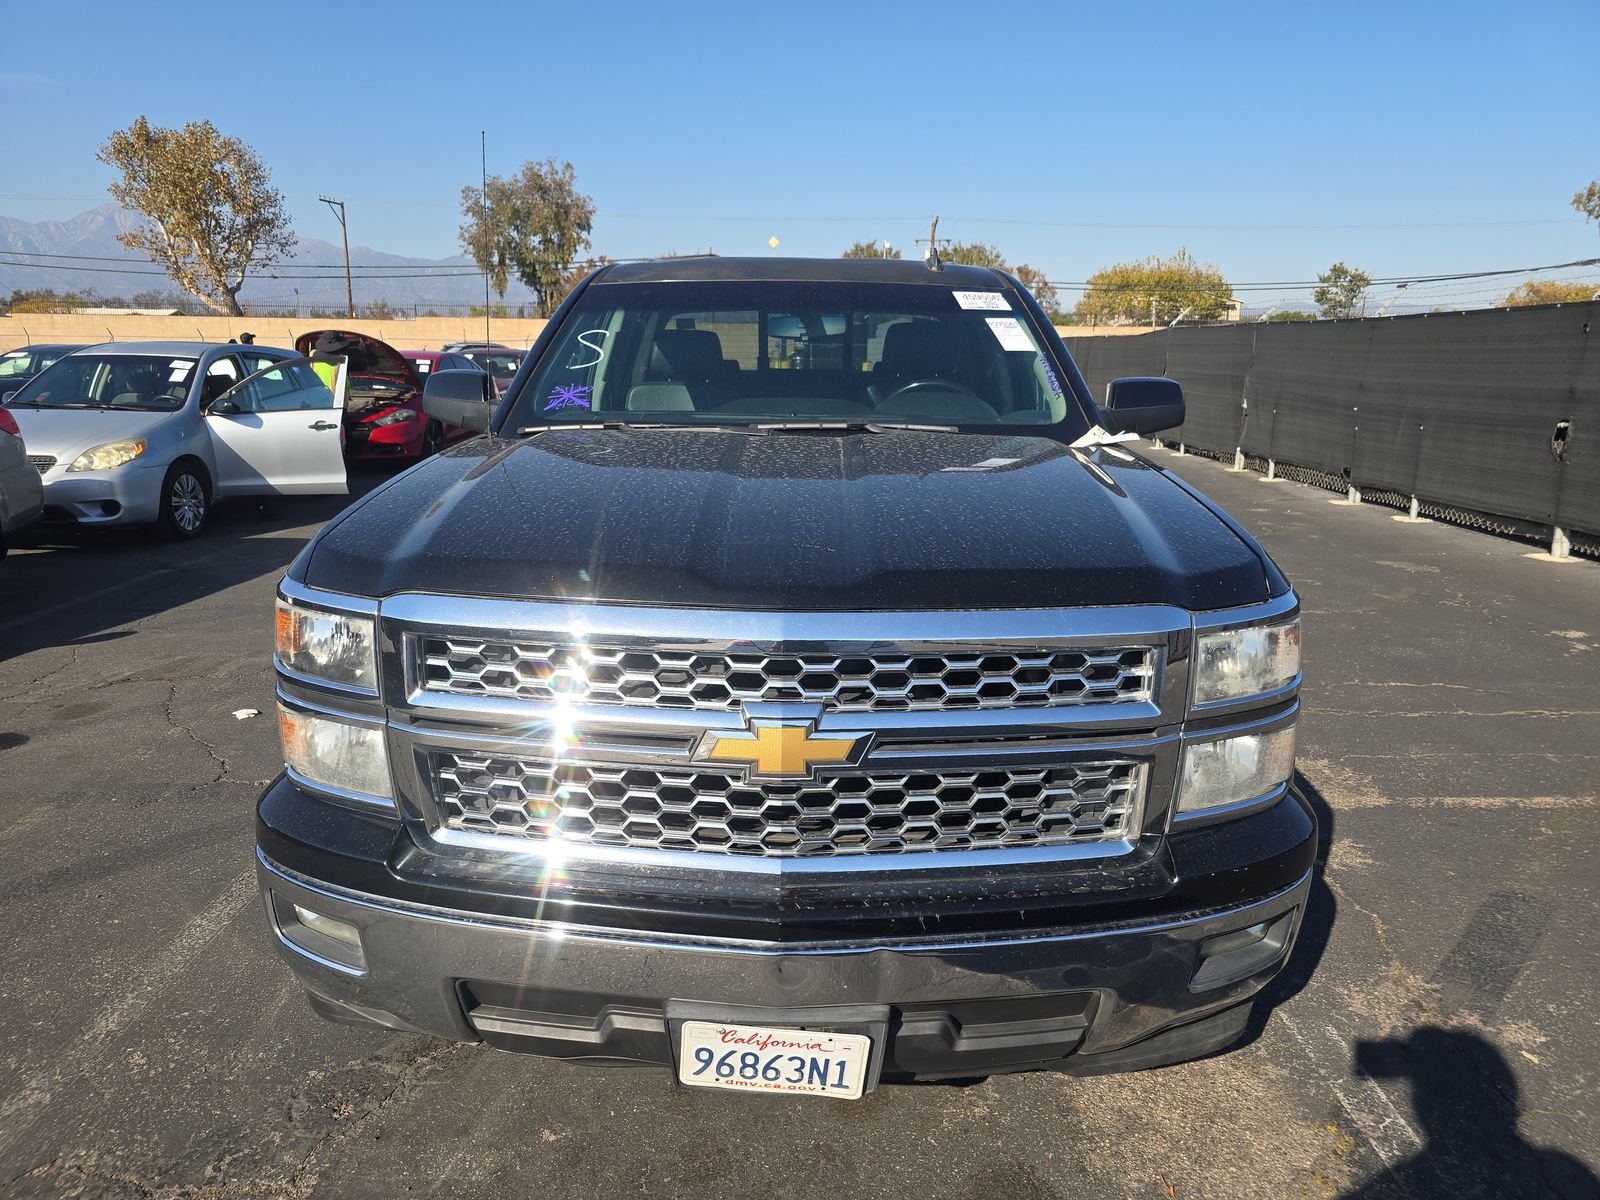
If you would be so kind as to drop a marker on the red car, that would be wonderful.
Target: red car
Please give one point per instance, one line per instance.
(383, 415)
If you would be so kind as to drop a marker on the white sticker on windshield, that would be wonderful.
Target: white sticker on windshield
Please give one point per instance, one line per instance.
(1010, 333)
(989, 300)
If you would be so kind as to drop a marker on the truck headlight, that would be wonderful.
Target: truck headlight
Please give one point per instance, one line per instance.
(1233, 770)
(1231, 664)
(398, 417)
(336, 754)
(112, 454)
(333, 647)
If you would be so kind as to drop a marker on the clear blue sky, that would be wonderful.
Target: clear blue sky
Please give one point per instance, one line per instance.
(1054, 130)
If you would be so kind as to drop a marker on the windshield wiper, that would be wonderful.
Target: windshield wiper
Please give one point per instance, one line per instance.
(535, 430)
(753, 428)
(852, 427)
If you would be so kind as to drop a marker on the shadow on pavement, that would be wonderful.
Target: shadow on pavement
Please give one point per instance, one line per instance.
(1466, 1102)
(72, 587)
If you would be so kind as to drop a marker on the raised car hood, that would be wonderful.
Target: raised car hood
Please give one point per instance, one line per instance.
(65, 433)
(789, 521)
(368, 356)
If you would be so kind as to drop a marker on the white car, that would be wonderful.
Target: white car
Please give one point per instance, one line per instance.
(21, 493)
(135, 433)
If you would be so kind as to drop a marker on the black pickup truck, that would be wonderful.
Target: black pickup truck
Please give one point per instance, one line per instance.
(802, 684)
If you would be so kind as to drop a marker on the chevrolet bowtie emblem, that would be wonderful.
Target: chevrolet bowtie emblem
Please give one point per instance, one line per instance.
(773, 748)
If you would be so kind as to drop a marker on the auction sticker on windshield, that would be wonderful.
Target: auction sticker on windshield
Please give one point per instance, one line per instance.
(981, 300)
(756, 1059)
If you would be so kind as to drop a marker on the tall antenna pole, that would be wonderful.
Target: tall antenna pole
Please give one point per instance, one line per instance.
(483, 222)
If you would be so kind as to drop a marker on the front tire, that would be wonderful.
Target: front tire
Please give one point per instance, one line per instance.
(185, 502)
(432, 439)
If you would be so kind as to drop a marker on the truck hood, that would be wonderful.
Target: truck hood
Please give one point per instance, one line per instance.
(65, 433)
(789, 522)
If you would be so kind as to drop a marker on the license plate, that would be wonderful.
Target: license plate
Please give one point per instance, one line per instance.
(753, 1058)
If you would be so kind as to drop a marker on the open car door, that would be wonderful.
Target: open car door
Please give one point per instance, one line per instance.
(278, 432)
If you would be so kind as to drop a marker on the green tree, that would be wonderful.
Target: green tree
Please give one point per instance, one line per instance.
(870, 250)
(1588, 202)
(1291, 314)
(48, 300)
(533, 225)
(1343, 291)
(211, 212)
(1547, 291)
(975, 254)
(1155, 289)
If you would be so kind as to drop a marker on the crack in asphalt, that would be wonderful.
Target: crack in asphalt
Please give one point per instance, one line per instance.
(210, 747)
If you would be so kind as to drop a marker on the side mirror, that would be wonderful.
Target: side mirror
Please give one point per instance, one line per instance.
(1143, 404)
(6, 397)
(464, 398)
(223, 407)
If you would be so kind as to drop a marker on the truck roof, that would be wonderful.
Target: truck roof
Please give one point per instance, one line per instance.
(809, 270)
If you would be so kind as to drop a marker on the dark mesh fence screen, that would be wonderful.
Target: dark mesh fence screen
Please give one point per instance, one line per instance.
(1495, 411)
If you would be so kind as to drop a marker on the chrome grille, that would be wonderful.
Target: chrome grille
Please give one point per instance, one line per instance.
(867, 682)
(42, 462)
(860, 812)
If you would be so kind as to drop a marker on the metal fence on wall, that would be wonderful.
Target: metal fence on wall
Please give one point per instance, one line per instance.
(1494, 412)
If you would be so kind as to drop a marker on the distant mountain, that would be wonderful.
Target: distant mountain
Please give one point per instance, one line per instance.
(93, 235)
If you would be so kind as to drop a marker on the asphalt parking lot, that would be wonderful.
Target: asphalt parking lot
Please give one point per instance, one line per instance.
(1434, 1034)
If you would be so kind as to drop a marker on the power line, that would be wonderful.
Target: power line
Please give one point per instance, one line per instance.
(296, 266)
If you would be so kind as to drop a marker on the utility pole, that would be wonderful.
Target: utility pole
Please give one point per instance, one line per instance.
(349, 295)
(1398, 288)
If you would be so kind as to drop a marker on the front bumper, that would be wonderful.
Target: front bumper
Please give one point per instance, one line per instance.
(365, 440)
(1117, 996)
(129, 495)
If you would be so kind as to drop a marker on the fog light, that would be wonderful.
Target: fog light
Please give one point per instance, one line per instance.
(1230, 957)
(339, 931)
(1228, 942)
(327, 940)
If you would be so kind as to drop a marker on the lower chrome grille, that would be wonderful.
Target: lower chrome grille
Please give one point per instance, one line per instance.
(862, 812)
(42, 462)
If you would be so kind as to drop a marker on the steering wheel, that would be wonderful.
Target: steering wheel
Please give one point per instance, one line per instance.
(945, 385)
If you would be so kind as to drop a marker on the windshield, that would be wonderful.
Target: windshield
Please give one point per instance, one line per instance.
(748, 352)
(19, 364)
(143, 382)
(496, 364)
